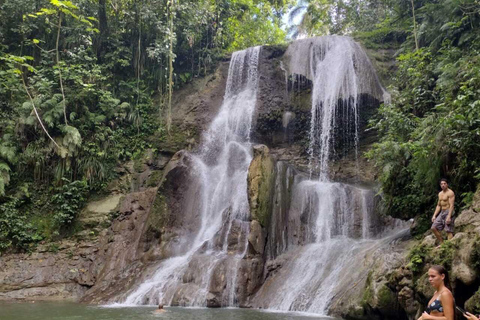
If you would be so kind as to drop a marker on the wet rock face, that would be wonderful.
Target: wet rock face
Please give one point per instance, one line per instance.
(45, 275)
(473, 303)
(120, 248)
(256, 238)
(105, 261)
(260, 184)
(282, 116)
(403, 278)
(373, 296)
(173, 211)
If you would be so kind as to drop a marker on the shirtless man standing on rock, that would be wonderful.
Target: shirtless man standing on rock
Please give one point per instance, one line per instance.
(442, 218)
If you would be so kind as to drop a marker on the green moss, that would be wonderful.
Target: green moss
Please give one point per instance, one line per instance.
(417, 257)
(444, 256)
(422, 224)
(155, 178)
(45, 225)
(475, 255)
(179, 138)
(140, 160)
(386, 298)
(158, 217)
(302, 101)
(269, 122)
(423, 288)
(265, 192)
(368, 291)
(473, 304)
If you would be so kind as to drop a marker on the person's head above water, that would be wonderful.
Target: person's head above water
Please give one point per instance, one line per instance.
(444, 184)
(160, 306)
(438, 277)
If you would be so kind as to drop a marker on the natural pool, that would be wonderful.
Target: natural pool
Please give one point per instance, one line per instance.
(75, 311)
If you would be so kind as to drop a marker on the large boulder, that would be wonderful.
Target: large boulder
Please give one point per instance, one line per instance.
(256, 237)
(261, 183)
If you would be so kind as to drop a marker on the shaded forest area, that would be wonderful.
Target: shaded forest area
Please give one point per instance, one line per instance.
(86, 84)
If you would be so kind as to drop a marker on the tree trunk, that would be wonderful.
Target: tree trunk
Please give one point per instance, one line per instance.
(414, 26)
(170, 69)
(103, 28)
(59, 68)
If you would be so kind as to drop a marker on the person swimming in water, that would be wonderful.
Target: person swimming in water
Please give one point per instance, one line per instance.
(160, 309)
(441, 306)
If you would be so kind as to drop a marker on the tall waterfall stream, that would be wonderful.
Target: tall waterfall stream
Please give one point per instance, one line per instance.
(222, 166)
(322, 231)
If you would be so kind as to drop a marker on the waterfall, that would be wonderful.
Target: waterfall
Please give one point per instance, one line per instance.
(320, 230)
(221, 167)
(340, 72)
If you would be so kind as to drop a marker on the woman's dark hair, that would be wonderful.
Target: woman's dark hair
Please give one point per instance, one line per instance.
(442, 270)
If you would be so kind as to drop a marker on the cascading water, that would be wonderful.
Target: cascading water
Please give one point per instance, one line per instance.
(221, 168)
(340, 72)
(329, 223)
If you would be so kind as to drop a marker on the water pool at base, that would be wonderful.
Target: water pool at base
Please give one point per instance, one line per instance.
(75, 311)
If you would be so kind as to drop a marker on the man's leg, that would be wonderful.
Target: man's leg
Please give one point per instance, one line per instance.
(437, 234)
(449, 228)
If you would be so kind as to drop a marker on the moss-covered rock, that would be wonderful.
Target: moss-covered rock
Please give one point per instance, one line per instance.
(155, 178)
(158, 213)
(473, 304)
(377, 298)
(261, 180)
(476, 200)
(368, 293)
(386, 299)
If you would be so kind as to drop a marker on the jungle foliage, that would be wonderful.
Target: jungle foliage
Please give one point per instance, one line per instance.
(431, 129)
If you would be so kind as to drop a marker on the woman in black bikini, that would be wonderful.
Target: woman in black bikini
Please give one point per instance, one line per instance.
(441, 306)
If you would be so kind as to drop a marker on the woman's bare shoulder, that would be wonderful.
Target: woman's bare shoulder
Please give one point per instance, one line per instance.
(446, 294)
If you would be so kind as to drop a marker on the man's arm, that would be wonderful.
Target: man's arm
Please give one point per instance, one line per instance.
(451, 200)
(437, 209)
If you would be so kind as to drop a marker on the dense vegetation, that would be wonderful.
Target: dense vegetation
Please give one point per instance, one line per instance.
(432, 127)
(86, 84)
